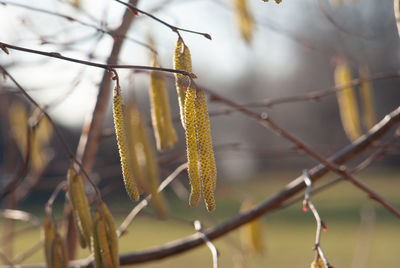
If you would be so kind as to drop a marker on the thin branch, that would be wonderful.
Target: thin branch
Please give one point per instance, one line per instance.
(56, 130)
(210, 245)
(93, 64)
(320, 224)
(269, 205)
(73, 19)
(172, 27)
(267, 122)
(142, 204)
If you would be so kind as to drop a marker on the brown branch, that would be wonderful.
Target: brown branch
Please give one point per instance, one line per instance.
(110, 65)
(175, 29)
(267, 122)
(269, 205)
(73, 19)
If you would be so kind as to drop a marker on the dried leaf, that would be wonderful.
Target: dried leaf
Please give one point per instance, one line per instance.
(347, 102)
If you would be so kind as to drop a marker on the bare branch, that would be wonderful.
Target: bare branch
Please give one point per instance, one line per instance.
(269, 205)
(210, 245)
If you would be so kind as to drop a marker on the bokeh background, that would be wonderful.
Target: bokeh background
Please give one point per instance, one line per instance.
(293, 51)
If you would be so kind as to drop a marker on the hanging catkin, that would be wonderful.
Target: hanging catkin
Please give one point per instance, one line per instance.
(244, 20)
(80, 207)
(146, 155)
(251, 234)
(182, 61)
(164, 131)
(191, 146)
(367, 98)
(206, 153)
(195, 120)
(347, 101)
(121, 133)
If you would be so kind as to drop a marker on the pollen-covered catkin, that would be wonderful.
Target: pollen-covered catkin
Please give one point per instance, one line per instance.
(182, 61)
(191, 146)
(121, 133)
(206, 153)
(347, 102)
(80, 206)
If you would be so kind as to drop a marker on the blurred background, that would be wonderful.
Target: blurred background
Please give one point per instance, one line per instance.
(292, 51)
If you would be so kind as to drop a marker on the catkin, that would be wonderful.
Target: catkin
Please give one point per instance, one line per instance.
(165, 133)
(157, 115)
(206, 153)
(318, 263)
(111, 233)
(59, 258)
(347, 102)
(103, 243)
(367, 98)
(251, 234)
(95, 242)
(191, 146)
(49, 231)
(396, 8)
(244, 20)
(121, 133)
(182, 61)
(149, 165)
(80, 206)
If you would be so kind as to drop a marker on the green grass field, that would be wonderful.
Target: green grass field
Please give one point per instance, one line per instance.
(288, 234)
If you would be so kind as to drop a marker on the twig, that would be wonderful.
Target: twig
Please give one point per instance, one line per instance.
(94, 64)
(172, 27)
(269, 205)
(72, 19)
(56, 130)
(267, 122)
(57, 190)
(320, 224)
(210, 245)
(19, 215)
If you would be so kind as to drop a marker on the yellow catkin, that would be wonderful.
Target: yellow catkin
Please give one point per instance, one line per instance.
(80, 205)
(244, 20)
(367, 98)
(347, 102)
(111, 233)
(157, 115)
(49, 233)
(276, 1)
(95, 242)
(102, 237)
(149, 165)
(59, 257)
(121, 133)
(191, 146)
(251, 234)
(182, 61)
(396, 8)
(318, 263)
(136, 146)
(206, 153)
(159, 89)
